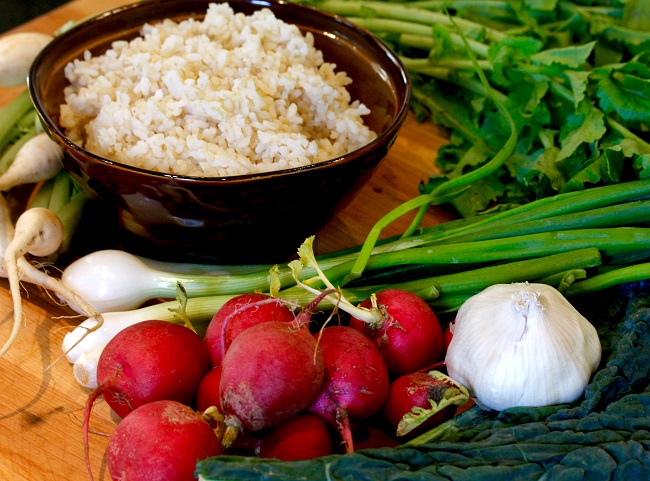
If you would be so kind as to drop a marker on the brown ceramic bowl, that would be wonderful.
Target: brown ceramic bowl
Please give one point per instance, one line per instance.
(254, 218)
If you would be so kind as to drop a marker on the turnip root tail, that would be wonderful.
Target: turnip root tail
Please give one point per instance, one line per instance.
(39, 232)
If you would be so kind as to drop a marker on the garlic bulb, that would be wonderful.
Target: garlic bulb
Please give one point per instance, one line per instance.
(522, 345)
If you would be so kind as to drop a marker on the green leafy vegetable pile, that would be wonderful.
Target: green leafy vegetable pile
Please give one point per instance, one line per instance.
(574, 77)
(605, 435)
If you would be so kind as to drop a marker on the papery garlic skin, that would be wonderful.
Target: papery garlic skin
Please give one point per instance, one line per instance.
(522, 344)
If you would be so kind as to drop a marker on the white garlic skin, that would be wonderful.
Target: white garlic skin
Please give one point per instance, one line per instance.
(522, 344)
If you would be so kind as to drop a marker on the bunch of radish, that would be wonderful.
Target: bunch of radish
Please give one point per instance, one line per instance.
(270, 382)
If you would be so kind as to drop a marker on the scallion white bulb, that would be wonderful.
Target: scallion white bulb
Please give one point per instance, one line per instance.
(522, 344)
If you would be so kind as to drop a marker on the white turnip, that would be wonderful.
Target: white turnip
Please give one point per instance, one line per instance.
(39, 159)
(17, 52)
(356, 380)
(39, 232)
(160, 441)
(237, 315)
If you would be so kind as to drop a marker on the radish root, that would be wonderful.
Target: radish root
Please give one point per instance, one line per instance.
(86, 427)
(343, 421)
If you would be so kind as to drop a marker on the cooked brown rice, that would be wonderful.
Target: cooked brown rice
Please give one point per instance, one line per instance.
(232, 94)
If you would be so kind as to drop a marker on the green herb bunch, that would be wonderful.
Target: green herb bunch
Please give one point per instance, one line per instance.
(573, 75)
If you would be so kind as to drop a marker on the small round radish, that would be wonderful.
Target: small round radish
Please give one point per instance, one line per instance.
(151, 361)
(410, 337)
(208, 392)
(160, 441)
(238, 314)
(270, 372)
(303, 436)
(356, 379)
(420, 400)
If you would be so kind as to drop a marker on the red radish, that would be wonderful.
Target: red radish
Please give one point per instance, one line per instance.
(420, 400)
(303, 436)
(160, 441)
(448, 334)
(147, 362)
(356, 380)
(409, 336)
(270, 372)
(237, 315)
(151, 361)
(371, 436)
(207, 399)
(208, 392)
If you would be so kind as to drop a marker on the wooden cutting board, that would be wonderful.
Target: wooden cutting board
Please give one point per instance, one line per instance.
(41, 405)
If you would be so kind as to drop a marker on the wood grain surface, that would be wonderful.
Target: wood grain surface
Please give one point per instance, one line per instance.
(41, 405)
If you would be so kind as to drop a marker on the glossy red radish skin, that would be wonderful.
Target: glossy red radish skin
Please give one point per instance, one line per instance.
(160, 441)
(303, 436)
(207, 395)
(410, 339)
(238, 317)
(448, 334)
(356, 379)
(151, 361)
(270, 372)
(419, 401)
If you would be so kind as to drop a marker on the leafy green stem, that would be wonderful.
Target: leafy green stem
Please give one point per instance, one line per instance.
(626, 133)
(402, 11)
(387, 25)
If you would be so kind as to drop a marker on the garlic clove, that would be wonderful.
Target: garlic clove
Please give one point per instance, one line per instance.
(522, 344)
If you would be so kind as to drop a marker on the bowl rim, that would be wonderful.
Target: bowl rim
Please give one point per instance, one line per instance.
(390, 130)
